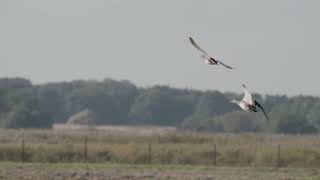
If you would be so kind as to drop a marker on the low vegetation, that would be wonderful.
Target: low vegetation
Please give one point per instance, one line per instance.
(181, 147)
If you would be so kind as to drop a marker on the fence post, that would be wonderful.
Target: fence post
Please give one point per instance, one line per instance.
(22, 151)
(167, 156)
(149, 153)
(85, 149)
(239, 155)
(215, 154)
(278, 156)
(304, 156)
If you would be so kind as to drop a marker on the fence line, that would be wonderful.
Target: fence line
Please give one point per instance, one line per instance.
(154, 154)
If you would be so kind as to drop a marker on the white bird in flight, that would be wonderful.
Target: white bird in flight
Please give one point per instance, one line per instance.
(208, 59)
(248, 103)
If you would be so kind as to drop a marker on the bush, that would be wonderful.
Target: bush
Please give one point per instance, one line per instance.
(291, 124)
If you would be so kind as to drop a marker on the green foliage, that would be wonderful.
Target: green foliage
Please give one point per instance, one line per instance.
(110, 100)
(22, 117)
(14, 83)
(291, 123)
(23, 110)
(237, 121)
(162, 105)
(213, 103)
(23, 105)
(94, 98)
(314, 115)
(51, 102)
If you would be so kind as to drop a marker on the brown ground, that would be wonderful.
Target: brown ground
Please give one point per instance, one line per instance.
(34, 171)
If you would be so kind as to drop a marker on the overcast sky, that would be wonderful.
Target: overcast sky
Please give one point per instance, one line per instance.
(274, 44)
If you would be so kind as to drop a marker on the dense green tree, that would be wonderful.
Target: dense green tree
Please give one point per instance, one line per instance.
(110, 100)
(124, 94)
(162, 105)
(51, 103)
(94, 98)
(23, 117)
(24, 110)
(213, 103)
(314, 114)
(14, 83)
(291, 123)
(23, 105)
(272, 101)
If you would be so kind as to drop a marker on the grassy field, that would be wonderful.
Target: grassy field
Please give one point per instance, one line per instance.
(175, 148)
(34, 171)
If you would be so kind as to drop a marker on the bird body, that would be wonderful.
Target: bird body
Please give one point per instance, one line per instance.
(246, 107)
(248, 103)
(209, 60)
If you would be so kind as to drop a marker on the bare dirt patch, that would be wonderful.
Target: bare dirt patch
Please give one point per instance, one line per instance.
(31, 171)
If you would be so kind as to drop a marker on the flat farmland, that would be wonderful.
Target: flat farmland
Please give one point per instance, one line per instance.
(33, 171)
(121, 154)
(171, 148)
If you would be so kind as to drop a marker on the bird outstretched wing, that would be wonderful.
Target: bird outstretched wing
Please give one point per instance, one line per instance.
(219, 62)
(206, 56)
(264, 112)
(247, 96)
(197, 46)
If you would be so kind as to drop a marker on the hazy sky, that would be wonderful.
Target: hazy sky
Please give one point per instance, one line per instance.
(275, 44)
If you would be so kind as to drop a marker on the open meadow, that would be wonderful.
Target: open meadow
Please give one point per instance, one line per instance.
(101, 154)
(172, 148)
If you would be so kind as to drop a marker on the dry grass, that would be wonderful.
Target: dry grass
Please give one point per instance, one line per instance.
(171, 148)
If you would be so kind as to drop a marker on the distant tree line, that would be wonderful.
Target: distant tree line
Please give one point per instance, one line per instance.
(24, 105)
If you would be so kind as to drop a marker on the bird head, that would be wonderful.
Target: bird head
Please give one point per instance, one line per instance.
(234, 101)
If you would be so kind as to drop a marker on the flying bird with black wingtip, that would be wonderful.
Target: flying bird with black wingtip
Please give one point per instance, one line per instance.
(248, 103)
(208, 59)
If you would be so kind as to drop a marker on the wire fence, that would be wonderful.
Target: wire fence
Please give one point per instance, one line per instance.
(161, 153)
